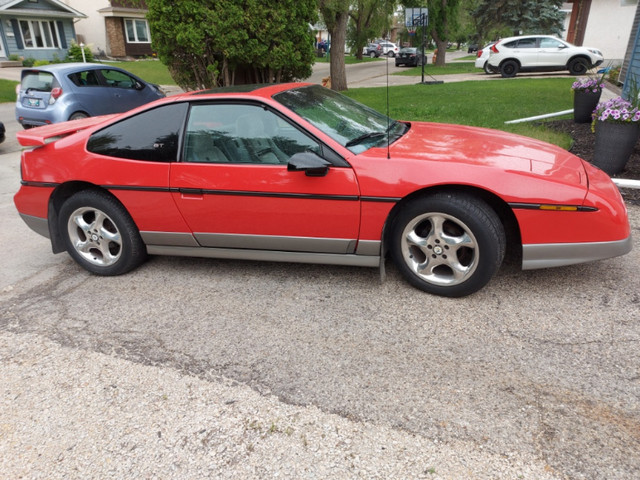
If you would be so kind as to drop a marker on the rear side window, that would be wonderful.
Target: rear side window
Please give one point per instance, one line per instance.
(88, 78)
(527, 43)
(40, 81)
(153, 135)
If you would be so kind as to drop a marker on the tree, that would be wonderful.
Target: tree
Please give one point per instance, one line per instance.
(211, 43)
(336, 16)
(521, 16)
(369, 19)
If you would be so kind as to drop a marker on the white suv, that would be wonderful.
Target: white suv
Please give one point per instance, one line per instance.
(542, 53)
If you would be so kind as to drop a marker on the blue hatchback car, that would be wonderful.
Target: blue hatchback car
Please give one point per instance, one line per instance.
(68, 91)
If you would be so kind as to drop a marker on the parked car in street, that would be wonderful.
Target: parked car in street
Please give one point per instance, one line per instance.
(300, 173)
(2, 132)
(373, 50)
(472, 48)
(410, 56)
(482, 58)
(545, 53)
(68, 91)
(389, 49)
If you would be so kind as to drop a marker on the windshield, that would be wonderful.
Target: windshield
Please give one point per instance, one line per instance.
(353, 125)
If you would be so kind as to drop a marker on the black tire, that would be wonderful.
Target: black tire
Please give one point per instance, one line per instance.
(448, 244)
(390, 54)
(99, 233)
(578, 66)
(509, 69)
(372, 55)
(78, 115)
(487, 68)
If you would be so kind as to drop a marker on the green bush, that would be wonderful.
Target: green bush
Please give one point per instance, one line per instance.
(28, 62)
(39, 63)
(75, 53)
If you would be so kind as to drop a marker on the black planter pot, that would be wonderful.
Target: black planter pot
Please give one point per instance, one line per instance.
(614, 145)
(584, 103)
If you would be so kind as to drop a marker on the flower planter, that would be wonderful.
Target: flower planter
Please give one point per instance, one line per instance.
(584, 103)
(614, 144)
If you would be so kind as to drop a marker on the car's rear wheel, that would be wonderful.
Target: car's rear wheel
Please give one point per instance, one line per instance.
(372, 54)
(448, 244)
(509, 69)
(578, 66)
(487, 68)
(78, 116)
(100, 234)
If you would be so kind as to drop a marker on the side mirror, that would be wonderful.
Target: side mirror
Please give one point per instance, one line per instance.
(138, 85)
(312, 164)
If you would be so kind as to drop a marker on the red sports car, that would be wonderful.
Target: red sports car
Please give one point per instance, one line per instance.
(300, 173)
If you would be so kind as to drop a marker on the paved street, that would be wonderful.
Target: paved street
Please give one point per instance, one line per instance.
(202, 368)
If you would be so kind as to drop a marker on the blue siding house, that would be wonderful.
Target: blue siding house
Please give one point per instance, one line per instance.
(39, 29)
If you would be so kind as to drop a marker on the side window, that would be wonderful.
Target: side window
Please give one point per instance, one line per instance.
(87, 78)
(153, 135)
(237, 133)
(549, 43)
(527, 43)
(115, 78)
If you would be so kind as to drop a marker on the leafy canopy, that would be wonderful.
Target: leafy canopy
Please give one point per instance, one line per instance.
(211, 43)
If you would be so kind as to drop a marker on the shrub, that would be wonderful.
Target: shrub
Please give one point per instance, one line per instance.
(75, 53)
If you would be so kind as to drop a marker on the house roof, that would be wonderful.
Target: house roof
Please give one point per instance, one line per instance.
(53, 8)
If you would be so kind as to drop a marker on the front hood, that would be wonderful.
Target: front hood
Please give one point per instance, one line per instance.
(473, 146)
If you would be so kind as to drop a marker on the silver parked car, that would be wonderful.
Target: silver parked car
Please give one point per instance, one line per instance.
(68, 91)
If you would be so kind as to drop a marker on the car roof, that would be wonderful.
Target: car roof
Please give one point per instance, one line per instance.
(509, 39)
(265, 90)
(69, 67)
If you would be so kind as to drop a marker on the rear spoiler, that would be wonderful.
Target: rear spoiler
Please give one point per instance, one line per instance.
(40, 136)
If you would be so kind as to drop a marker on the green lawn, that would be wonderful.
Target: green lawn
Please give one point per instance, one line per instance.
(152, 71)
(7, 91)
(485, 104)
(449, 68)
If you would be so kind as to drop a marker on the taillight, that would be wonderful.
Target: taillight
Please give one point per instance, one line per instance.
(55, 94)
(494, 49)
(479, 53)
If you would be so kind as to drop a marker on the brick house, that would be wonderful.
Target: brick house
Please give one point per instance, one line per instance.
(116, 28)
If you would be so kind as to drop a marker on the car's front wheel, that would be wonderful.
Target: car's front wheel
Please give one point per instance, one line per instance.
(578, 66)
(100, 234)
(448, 244)
(509, 69)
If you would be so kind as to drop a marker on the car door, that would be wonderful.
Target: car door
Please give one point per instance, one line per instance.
(527, 51)
(234, 189)
(552, 53)
(124, 91)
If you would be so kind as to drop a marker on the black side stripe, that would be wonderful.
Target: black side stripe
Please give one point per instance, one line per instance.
(537, 206)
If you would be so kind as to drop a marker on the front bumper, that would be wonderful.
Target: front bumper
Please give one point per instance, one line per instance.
(536, 256)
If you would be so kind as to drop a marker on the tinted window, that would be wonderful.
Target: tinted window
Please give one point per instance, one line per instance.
(527, 43)
(152, 135)
(240, 133)
(40, 81)
(115, 78)
(87, 78)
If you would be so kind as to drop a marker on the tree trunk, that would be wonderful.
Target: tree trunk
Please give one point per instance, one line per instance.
(441, 45)
(338, 41)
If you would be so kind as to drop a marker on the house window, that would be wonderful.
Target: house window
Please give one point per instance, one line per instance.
(39, 34)
(137, 30)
